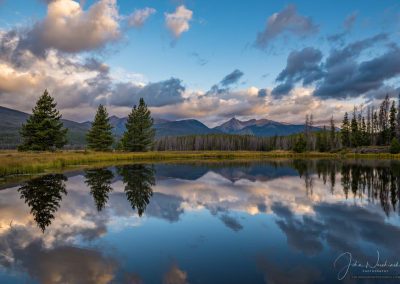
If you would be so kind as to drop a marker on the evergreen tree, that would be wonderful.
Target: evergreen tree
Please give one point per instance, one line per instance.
(354, 138)
(322, 140)
(43, 130)
(301, 144)
(139, 134)
(392, 121)
(345, 131)
(332, 134)
(383, 121)
(99, 137)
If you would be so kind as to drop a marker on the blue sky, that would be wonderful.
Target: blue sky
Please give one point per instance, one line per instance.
(220, 37)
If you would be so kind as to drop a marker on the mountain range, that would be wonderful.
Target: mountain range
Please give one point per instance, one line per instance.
(11, 121)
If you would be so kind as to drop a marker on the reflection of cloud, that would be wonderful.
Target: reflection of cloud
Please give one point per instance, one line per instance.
(231, 222)
(165, 206)
(344, 227)
(297, 275)
(67, 265)
(175, 276)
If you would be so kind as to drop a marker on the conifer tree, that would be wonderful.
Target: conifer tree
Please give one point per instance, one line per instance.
(43, 130)
(99, 137)
(332, 134)
(345, 131)
(139, 134)
(354, 138)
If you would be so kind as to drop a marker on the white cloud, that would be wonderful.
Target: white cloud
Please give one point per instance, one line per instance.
(67, 27)
(178, 22)
(139, 17)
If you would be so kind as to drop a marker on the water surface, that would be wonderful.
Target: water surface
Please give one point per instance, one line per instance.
(294, 221)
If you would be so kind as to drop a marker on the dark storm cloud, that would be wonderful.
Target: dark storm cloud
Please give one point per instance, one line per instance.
(285, 21)
(282, 89)
(353, 79)
(343, 74)
(351, 51)
(303, 65)
(232, 78)
(224, 85)
(155, 94)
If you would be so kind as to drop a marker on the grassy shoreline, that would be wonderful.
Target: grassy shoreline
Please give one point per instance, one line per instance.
(17, 163)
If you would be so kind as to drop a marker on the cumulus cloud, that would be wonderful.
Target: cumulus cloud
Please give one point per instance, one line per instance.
(68, 28)
(178, 22)
(139, 17)
(286, 21)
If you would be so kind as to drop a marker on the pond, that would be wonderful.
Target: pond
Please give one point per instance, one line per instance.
(278, 221)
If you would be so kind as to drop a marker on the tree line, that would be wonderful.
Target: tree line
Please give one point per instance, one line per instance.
(373, 127)
(44, 129)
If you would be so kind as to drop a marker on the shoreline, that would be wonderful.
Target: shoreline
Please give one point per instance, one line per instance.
(21, 163)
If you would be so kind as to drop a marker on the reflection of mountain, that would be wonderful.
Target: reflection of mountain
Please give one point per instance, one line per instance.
(138, 179)
(43, 195)
(234, 171)
(99, 181)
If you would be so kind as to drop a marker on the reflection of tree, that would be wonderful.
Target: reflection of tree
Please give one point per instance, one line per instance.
(138, 181)
(99, 181)
(378, 181)
(43, 195)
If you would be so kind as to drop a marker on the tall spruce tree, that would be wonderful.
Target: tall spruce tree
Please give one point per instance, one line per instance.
(332, 134)
(139, 134)
(354, 138)
(99, 137)
(345, 131)
(43, 130)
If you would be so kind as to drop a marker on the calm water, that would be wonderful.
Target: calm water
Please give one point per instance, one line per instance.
(270, 222)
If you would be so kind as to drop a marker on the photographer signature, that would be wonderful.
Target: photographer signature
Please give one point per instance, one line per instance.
(350, 262)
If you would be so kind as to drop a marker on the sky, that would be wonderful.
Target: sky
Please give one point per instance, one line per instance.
(206, 60)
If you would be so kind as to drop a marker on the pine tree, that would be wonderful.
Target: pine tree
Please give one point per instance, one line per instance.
(139, 134)
(99, 137)
(345, 131)
(354, 138)
(392, 121)
(332, 134)
(43, 130)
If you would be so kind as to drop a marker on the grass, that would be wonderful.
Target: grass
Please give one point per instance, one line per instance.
(18, 163)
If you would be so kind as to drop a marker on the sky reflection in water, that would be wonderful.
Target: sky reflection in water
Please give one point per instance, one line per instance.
(269, 222)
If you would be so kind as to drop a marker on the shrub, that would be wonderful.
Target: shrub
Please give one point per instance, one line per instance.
(395, 146)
